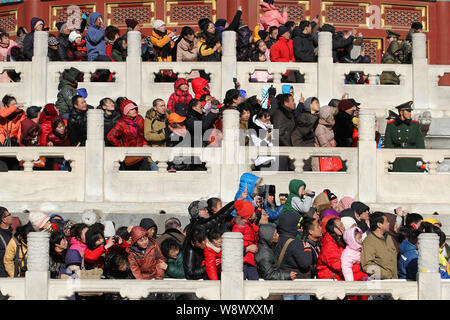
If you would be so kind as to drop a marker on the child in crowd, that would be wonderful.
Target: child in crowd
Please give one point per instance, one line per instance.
(72, 267)
(213, 254)
(171, 250)
(58, 137)
(78, 237)
(145, 257)
(181, 94)
(351, 256)
(243, 223)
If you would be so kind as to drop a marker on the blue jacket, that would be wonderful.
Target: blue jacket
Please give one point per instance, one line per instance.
(273, 214)
(407, 262)
(95, 38)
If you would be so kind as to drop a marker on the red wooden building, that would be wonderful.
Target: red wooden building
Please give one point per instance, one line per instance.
(371, 17)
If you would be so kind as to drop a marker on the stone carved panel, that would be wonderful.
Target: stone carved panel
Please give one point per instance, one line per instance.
(8, 21)
(189, 12)
(143, 12)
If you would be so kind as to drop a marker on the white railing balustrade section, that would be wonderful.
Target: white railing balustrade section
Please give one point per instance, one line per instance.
(37, 286)
(136, 79)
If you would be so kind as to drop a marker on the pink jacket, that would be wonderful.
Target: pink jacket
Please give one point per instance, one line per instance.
(271, 17)
(351, 253)
(76, 244)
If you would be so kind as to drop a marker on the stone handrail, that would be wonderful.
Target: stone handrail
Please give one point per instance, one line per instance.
(38, 286)
(324, 79)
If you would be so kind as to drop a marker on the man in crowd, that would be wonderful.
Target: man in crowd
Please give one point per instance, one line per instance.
(77, 123)
(5, 235)
(273, 36)
(304, 49)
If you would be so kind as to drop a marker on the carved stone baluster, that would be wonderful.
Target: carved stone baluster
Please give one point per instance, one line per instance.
(37, 275)
(433, 166)
(277, 77)
(162, 166)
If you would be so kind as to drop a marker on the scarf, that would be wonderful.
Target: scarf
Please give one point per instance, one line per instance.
(133, 126)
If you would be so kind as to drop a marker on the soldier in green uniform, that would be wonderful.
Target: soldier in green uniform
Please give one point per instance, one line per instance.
(403, 132)
(394, 54)
(416, 27)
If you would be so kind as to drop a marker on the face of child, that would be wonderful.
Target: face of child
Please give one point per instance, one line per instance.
(173, 253)
(338, 227)
(300, 190)
(5, 40)
(151, 232)
(358, 237)
(62, 245)
(211, 28)
(99, 241)
(60, 128)
(184, 87)
(143, 242)
(262, 46)
(217, 207)
(217, 242)
(245, 115)
(78, 40)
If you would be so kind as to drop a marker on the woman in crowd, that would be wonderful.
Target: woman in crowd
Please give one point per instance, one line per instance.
(209, 47)
(58, 249)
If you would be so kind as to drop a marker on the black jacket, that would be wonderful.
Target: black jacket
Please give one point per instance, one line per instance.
(64, 45)
(77, 127)
(109, 123)
(203, 122)
(283, 120)
(340, 43)
(343, 129)
(192, 262)
(296, 258)
(303, 46)
(6, 235)
(28, 41)
(265, 257)
(304, 132)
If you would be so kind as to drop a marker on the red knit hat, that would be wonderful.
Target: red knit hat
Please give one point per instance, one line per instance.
(344, 104)
(244, 209)
(137, 233)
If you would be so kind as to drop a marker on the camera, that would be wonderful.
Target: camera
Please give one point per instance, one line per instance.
(115, 239)
(269, 130)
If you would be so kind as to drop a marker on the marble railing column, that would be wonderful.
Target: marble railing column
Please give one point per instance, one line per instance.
(94, 156)
(229, 167)
(39, 69)
(367, 157)
(428, 277)
(325, 68)
(134, 71)
(37, 275)
(229, 62)
(232, 276)
(420, 71)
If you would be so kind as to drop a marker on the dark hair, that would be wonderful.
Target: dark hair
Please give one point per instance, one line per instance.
(230, 95)
(262, 113)
(284, 98)
(412, 218)
(2, 212)
(213, 234)
(203, 96)
(404, 233)
(330, 229)
(17, 54)
(4, 34)
(374, 219)
(123, 233)
(111, 31)
(169, 244)
(20, 30)
(57, 122)
(77, 229)
(186, 31)
(195, 233)
(55, 238)
(23, 231)
(440, 234)
(307, 225)
(413, 236)
(119, 101)
(272, 28)
(172, 223)
(104, 100)
(7, 99)
(155, 102)
(426, 227)
(112, 265)
(94, 233)
(303, 24)
(416, 25)
(75, 99)
(212, 202)
(289, 24)
(244, 107)
(192, 103)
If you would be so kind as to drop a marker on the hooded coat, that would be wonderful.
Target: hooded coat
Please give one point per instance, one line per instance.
(282, 51)
(29, 127)
(306, 124)
(295, 202)
(212, 253)
(95, 38)
(67, 89)
(127, 132)
(144, 263)
(351, 257)
(28, 41)
(11, 123)
(179, 96)
(198, 86)
(109, 121)
(321, 202)
(247, 180)
(265, 257)
(303, 46)
(408, 261)
(271, 17)
(45, 120)
(297, 257)
(392, 220)
(329, 263)
(57, 139)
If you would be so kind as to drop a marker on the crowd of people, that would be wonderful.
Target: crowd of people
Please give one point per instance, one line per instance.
(304, 236)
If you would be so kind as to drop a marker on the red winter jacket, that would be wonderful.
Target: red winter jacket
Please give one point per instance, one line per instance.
(282, 51)
(45, 120)
(179, 96)
(250, 233)
(198, 86)
(96, 257)
(329, 261)
(211, 254)
(127, 132)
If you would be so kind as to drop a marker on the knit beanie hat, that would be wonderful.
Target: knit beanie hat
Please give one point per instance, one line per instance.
(244, 209)
(345, 203)
(131, 23)
(73, 36)
(157, 24)
(359, 207)
(348, 222)
(175, 118)
(282, 30)
(73, 257)
(137, 233)
(195, 207)
(52, 40)
(330, 212)
(38, 220)
(344, 104)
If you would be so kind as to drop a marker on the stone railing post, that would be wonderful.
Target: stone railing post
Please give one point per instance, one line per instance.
(94, 157)
(134, 61)
(230, 157)
(232, 277)
(39, 69)
(428, 277)
(367, 158)
(325, 68)
(37, 275)
(229, 62)
(420, 71)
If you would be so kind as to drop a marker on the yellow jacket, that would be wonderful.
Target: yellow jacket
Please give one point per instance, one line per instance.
(10, 256)
(159, 42)
(202, 48)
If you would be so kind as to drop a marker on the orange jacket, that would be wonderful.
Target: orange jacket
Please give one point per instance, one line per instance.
(158, 43)
(10, 120)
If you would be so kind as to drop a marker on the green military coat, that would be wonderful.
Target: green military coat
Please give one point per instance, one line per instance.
(402, 135)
